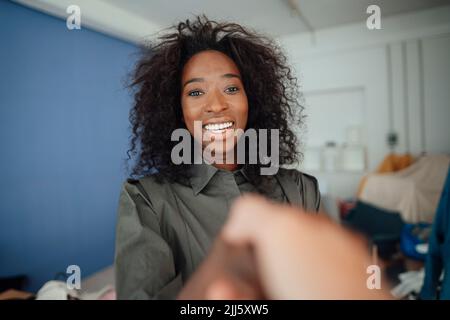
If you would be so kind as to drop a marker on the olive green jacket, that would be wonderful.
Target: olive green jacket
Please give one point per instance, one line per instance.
(164, 230)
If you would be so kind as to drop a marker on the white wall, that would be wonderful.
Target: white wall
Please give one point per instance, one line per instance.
(396, 79)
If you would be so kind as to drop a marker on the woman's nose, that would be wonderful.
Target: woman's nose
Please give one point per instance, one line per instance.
(216, 104)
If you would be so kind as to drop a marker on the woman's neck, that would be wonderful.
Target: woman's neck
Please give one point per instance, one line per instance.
(226, 166)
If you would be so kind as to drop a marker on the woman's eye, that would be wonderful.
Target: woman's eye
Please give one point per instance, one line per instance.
(232, 89)
(195, 93)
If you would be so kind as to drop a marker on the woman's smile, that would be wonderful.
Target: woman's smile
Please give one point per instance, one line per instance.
(218, 130)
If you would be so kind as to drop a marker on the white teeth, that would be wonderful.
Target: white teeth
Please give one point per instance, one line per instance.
(218, 126)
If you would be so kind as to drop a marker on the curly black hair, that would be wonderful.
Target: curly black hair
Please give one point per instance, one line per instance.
(271, 90)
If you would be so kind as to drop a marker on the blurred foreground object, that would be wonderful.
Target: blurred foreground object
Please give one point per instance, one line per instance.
(287, 254)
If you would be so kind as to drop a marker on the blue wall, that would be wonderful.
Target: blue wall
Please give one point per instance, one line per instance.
(63, 140)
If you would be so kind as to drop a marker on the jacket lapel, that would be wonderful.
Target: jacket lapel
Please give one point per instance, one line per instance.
(290, 189)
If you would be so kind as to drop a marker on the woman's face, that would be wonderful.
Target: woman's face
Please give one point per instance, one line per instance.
(212, 92)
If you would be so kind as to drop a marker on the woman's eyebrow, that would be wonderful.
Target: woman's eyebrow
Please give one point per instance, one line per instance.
(193, 80)
(226, 75)
(231, 75)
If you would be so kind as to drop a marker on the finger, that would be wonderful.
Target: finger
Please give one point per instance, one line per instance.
(221, 290)
(228, 289)
(249, 219)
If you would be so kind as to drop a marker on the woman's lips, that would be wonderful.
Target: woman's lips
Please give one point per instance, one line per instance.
(219, 130)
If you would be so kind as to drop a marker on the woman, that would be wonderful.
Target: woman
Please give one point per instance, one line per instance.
(228, 79)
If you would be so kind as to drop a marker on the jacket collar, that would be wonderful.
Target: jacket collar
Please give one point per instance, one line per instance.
(201, 175)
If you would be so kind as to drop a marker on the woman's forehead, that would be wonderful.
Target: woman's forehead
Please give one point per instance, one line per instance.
(209, 62)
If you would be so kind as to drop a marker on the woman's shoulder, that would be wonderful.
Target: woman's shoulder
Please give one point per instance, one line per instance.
(306, 187)
(142, 196)
(152, 187)
(299, 177)
(145, 186)
(152, 179)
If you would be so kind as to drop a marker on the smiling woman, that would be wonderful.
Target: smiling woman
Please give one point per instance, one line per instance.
(228, 79)
(213, 93)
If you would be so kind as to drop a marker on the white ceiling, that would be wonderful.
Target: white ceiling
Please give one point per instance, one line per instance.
(134, 20)
(271, 16)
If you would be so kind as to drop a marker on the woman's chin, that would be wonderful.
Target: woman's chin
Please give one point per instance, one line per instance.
(220, 152)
